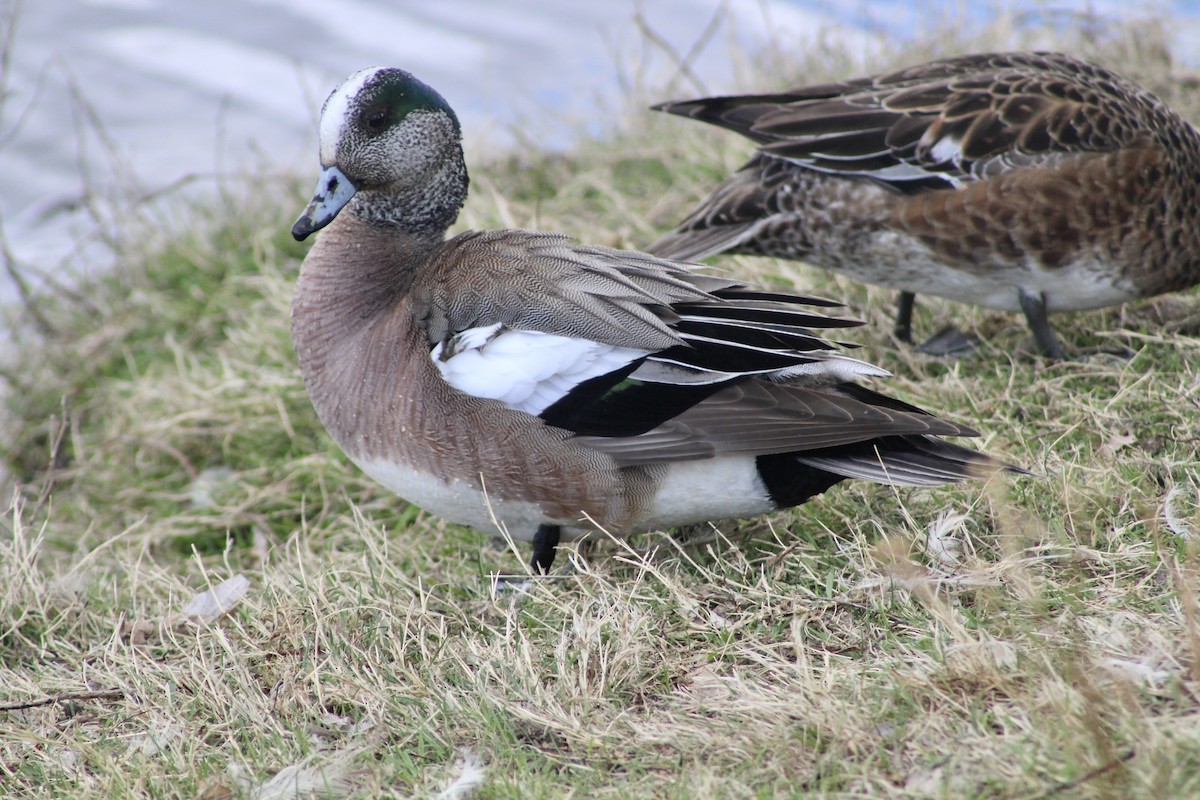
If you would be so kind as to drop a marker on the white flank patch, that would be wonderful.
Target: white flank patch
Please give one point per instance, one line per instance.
(337, 109)
(712, 489)
(526, 370)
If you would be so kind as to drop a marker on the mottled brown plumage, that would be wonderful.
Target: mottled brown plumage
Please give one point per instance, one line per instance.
(1016, 181)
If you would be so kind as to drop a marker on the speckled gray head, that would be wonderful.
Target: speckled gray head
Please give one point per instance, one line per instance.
(383, 131)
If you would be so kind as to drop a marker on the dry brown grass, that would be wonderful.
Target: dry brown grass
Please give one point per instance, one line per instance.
(1034, 637)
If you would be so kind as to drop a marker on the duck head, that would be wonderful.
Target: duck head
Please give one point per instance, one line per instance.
(392, 145)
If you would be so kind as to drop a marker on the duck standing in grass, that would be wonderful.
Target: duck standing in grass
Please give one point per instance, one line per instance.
(1016, 181)
(522, 379)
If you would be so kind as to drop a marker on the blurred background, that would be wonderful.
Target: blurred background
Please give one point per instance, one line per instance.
(110, 104)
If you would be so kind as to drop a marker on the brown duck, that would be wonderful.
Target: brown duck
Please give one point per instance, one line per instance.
(1016, 181)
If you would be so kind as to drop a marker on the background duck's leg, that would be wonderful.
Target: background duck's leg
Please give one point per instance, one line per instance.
(904, 311)
(544, 543)
(1034, 307)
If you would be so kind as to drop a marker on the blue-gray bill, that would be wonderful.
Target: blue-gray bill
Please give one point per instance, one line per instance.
(333, 191)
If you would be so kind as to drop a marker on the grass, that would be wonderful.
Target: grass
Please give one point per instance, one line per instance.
(1027, 638)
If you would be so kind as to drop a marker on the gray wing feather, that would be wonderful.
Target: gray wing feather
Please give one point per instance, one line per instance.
(761, 418)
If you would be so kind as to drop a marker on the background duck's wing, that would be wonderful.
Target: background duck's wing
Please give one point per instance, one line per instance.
(734, 213)
(944, 123)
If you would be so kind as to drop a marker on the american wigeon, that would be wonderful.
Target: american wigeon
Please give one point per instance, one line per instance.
(524, 379)
(1016, 181)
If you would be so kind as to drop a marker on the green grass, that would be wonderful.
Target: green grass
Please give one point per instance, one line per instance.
(1054, 652)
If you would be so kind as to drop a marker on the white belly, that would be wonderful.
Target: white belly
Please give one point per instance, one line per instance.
(909, 265)
(458, 501)
(689, 492)
(1076, 287)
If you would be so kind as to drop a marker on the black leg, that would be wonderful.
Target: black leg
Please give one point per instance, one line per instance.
(904, 311)
(544, 542)
(1043, 334)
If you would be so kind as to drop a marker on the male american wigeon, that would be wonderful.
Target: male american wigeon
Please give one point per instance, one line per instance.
(524, 379)
(1017, 181)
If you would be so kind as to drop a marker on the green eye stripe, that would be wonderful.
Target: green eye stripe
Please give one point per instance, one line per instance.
(394, 95)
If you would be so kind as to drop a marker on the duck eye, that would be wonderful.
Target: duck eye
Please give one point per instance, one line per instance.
(376, 120)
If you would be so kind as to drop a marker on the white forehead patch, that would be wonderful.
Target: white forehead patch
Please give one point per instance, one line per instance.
(336, 111)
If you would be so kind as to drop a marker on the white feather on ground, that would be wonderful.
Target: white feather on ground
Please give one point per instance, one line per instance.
(470, 777)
